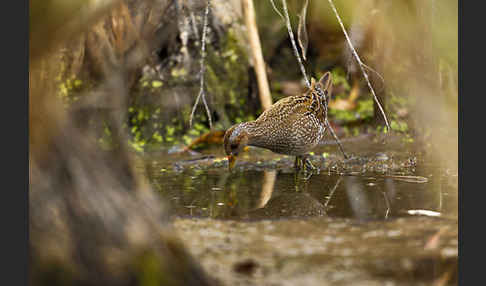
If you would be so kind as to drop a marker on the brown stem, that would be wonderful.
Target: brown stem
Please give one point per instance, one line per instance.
(256, 51)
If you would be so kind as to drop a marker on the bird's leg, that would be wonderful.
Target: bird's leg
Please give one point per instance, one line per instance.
(301, 165)
(303, 162)
(298, 162)
(308, 164)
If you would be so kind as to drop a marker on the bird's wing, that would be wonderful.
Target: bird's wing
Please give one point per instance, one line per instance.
(285, 109)
(280, 124)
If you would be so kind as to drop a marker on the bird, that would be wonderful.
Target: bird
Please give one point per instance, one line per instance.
(292, 126)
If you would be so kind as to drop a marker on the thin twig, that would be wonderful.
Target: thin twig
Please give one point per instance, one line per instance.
(193, 22)
(326, 121)
(361, 65)
(378, 74)
(201, 74)
(292, 40)
(276, 10)
(328, 125)
(336, 139)
(302, 31)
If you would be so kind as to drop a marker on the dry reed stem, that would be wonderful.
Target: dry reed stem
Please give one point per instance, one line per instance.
(256, 51)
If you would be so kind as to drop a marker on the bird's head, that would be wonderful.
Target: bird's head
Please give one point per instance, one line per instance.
(324, 84)
(235, 139)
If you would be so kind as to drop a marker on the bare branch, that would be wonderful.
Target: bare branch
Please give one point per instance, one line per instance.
(201, 73)
(292, 40)
(302, 31)
(377, 73)
(276, 10)
(361, 65)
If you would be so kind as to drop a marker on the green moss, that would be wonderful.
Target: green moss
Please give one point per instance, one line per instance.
(227, 79)
(156, 83)
(70, 89)
(226, 83)
(178, 72)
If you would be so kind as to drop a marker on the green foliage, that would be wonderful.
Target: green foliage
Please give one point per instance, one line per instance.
(338, 78)
(396, 103)
(400, 126)
(364, 110)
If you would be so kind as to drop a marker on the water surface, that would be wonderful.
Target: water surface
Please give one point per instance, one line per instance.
(380, 181)
(386, 216)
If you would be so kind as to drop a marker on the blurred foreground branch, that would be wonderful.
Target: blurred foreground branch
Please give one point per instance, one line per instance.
(93, 217)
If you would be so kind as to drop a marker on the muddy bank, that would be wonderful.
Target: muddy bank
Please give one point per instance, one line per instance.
(325, 251)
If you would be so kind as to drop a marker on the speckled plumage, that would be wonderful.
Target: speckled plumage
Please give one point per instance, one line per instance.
(292, 126)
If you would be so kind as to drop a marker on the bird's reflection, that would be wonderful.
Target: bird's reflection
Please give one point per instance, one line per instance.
(271, 193)
(278, 200)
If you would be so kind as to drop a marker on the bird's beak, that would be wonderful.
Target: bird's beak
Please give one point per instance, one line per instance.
(231, 161)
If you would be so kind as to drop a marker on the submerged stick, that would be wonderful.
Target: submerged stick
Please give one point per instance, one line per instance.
(202, 94)
(361, 65)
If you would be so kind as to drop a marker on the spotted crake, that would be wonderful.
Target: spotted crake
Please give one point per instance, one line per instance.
(292, 126)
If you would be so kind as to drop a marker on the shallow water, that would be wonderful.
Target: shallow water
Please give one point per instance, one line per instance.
(386, 181)
(386, 216)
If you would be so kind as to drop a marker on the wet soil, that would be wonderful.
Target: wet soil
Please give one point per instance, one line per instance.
(385, 216)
